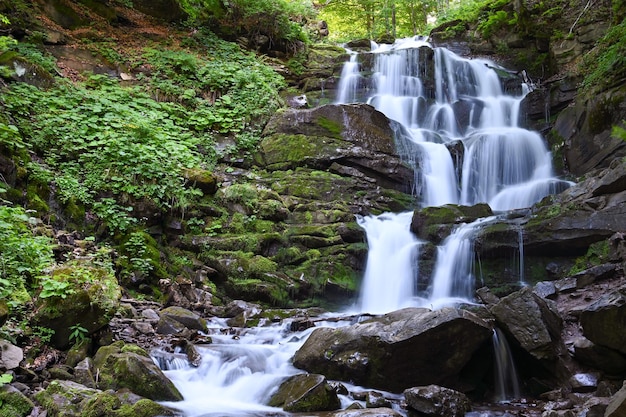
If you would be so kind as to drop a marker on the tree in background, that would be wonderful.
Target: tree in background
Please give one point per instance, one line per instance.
(376, 19)
(265, 24)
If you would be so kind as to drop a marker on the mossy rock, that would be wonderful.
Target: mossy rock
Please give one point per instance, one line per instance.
(123, 405)
(79, 293)
(201, 179)
(436, 223)
(306, 393)
(64, 398)
(13, 403)
(128, 366)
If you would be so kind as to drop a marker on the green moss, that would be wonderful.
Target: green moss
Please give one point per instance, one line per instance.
(597, 254)
(333, 127)
(14, 404)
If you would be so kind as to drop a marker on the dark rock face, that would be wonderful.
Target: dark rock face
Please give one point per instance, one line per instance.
(604, 322)
(405, 348)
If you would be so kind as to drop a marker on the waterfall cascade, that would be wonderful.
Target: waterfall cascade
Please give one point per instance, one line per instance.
(446, 105)
(507, 385)
(470, 148)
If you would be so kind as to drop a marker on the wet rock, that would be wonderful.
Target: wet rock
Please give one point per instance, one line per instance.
(127, 366)
(71, 399)
(357, 136)
(532, 321)
(436, 401)
(374, 399)
(368, 412)
(436, 223)
(376, 352)
(305, 393)
(604, 321)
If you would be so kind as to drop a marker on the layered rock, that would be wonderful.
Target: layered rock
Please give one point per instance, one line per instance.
(406, 348)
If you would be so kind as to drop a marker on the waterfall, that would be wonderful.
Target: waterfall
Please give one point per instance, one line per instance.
(393, 250)
(506, 380)
(442, 101)
(437, 101)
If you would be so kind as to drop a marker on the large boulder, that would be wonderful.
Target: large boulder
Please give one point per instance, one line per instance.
(405, 348)
(70, 399)
(80, 293)
(604, 321)
(436, 401)
(357, 138)
(306, 393)
(617, 405)
(532, 322)
(128, 366)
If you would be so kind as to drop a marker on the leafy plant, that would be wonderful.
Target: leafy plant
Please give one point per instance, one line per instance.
(605, 65)
(5, 379)
(78, 333)
(24, 257)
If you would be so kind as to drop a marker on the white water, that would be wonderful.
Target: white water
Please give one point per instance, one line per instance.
(507, 385)
(502, 164)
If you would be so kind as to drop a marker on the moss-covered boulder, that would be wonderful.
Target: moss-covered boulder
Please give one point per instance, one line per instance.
(305, 393)
(128, 366)
(186, 318)
(70, 399)
(77, 293)
(436, 223)
(13, 403)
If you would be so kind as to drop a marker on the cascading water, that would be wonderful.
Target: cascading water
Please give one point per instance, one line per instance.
(440, 102)
(507, 385)
(447, 102)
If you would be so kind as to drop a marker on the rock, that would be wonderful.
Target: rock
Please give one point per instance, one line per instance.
(532, 321)
(584, 382)
(83, 373)
(377, 352)
(356, 136)
(617, 404)
(128, 366)
(185, 317)
(10, 355)
(604, 321)
(605, 359)
(374, 399)
(201, 179)
(586, 131)
(4, 312)
(305, 393)
(368, 412)
(69, 399)
(168, 325)
(13, 402)
(436, 401)
(436, 223)
(92, 303)
(593, 274)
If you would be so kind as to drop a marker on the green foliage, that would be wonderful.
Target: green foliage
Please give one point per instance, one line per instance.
(281, 21)
(5, 379)
(78, 333)
(24, 257)
(605, 66)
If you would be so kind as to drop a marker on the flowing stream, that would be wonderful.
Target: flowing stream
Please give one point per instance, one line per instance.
(470, 149)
